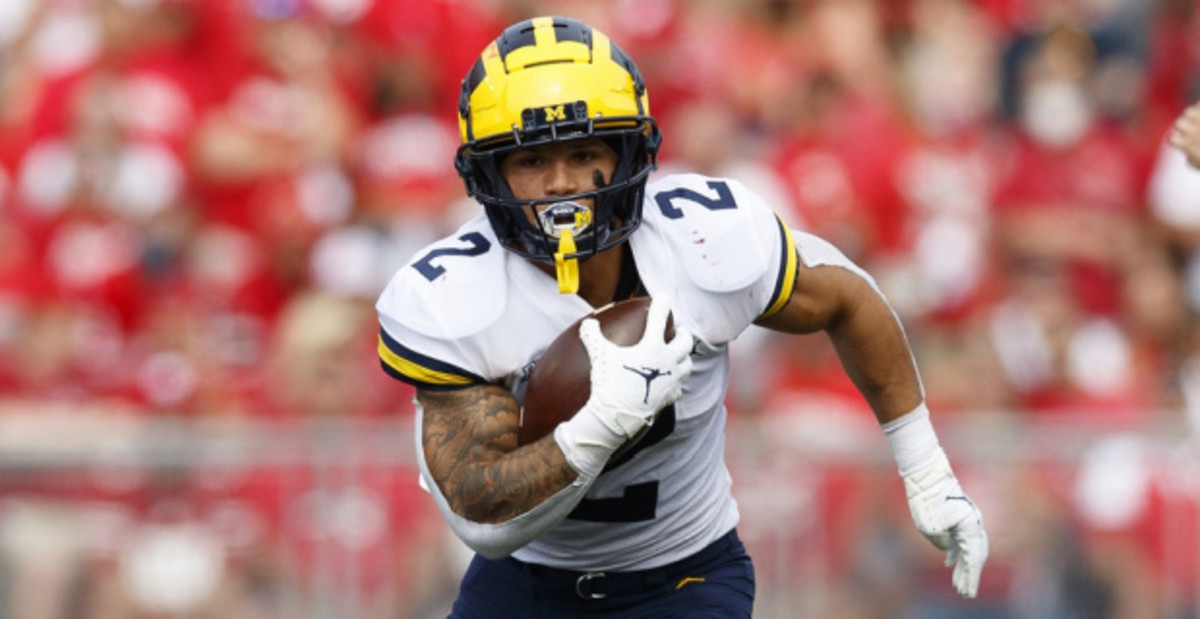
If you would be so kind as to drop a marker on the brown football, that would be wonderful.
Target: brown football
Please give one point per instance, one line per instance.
(561, 381)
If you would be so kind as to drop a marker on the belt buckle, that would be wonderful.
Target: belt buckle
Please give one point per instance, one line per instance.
(586, 578)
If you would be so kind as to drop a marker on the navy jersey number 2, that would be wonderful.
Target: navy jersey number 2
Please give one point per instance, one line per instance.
(722, 199)
(476, 245)
(638, 502)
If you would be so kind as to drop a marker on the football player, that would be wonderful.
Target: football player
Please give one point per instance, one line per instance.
(557, 144)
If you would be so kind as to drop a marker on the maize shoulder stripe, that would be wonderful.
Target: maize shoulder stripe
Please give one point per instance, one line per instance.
(419, 370)
(789, 263)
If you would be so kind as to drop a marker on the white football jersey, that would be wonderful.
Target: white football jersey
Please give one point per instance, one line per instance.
(465, 311)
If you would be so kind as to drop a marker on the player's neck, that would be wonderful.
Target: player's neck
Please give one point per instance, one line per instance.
(598, 276)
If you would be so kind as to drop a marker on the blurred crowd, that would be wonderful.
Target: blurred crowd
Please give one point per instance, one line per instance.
(181, 181)
(201, 199)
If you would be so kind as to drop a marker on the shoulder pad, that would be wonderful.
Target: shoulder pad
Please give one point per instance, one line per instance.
(451, 289)
(721, 232)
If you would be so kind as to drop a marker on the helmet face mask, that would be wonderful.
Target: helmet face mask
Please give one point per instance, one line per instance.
(513, 98)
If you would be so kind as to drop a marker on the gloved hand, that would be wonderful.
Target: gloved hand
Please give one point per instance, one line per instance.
(944, 514)
(630, 384)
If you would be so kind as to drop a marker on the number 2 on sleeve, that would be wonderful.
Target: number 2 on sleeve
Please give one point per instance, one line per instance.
(476, 245)
(723, 200)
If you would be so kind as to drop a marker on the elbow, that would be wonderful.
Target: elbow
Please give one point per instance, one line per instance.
(483, 533)
(489, 541)
(493, 552)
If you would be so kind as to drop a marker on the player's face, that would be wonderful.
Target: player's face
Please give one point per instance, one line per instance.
(559, 169)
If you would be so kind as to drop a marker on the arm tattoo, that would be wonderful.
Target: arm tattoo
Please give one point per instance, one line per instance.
(470, 442)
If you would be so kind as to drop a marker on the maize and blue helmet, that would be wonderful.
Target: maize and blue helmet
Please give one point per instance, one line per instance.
(553, 79)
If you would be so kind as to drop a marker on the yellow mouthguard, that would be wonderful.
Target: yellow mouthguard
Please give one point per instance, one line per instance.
(567, 269)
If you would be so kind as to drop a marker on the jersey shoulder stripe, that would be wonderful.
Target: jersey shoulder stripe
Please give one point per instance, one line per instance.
(423, 372)
(789, 263)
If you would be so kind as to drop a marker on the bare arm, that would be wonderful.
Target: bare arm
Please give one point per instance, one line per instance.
(837, 297)
(498, 496)
(470, 443)
(864, 330)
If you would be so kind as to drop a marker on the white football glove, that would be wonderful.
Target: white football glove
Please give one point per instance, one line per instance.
(944, 514)
(630, 384)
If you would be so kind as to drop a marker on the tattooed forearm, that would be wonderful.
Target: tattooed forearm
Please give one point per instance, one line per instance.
(470, 442)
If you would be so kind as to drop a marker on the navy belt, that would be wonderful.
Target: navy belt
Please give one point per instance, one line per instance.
(600, 584)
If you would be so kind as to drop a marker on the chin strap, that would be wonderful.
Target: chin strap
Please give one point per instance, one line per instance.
(566, 268)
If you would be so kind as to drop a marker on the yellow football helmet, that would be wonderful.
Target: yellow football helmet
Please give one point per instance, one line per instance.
(551, 79)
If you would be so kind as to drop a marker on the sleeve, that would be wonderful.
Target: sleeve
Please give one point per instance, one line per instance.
(736, 258)
(784, 272)
(434, 320)
(419, 370)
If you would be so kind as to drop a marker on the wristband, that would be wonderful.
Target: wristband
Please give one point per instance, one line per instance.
(912, 439)
(587, 442)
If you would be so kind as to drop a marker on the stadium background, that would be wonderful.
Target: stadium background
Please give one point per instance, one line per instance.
(199, 200)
